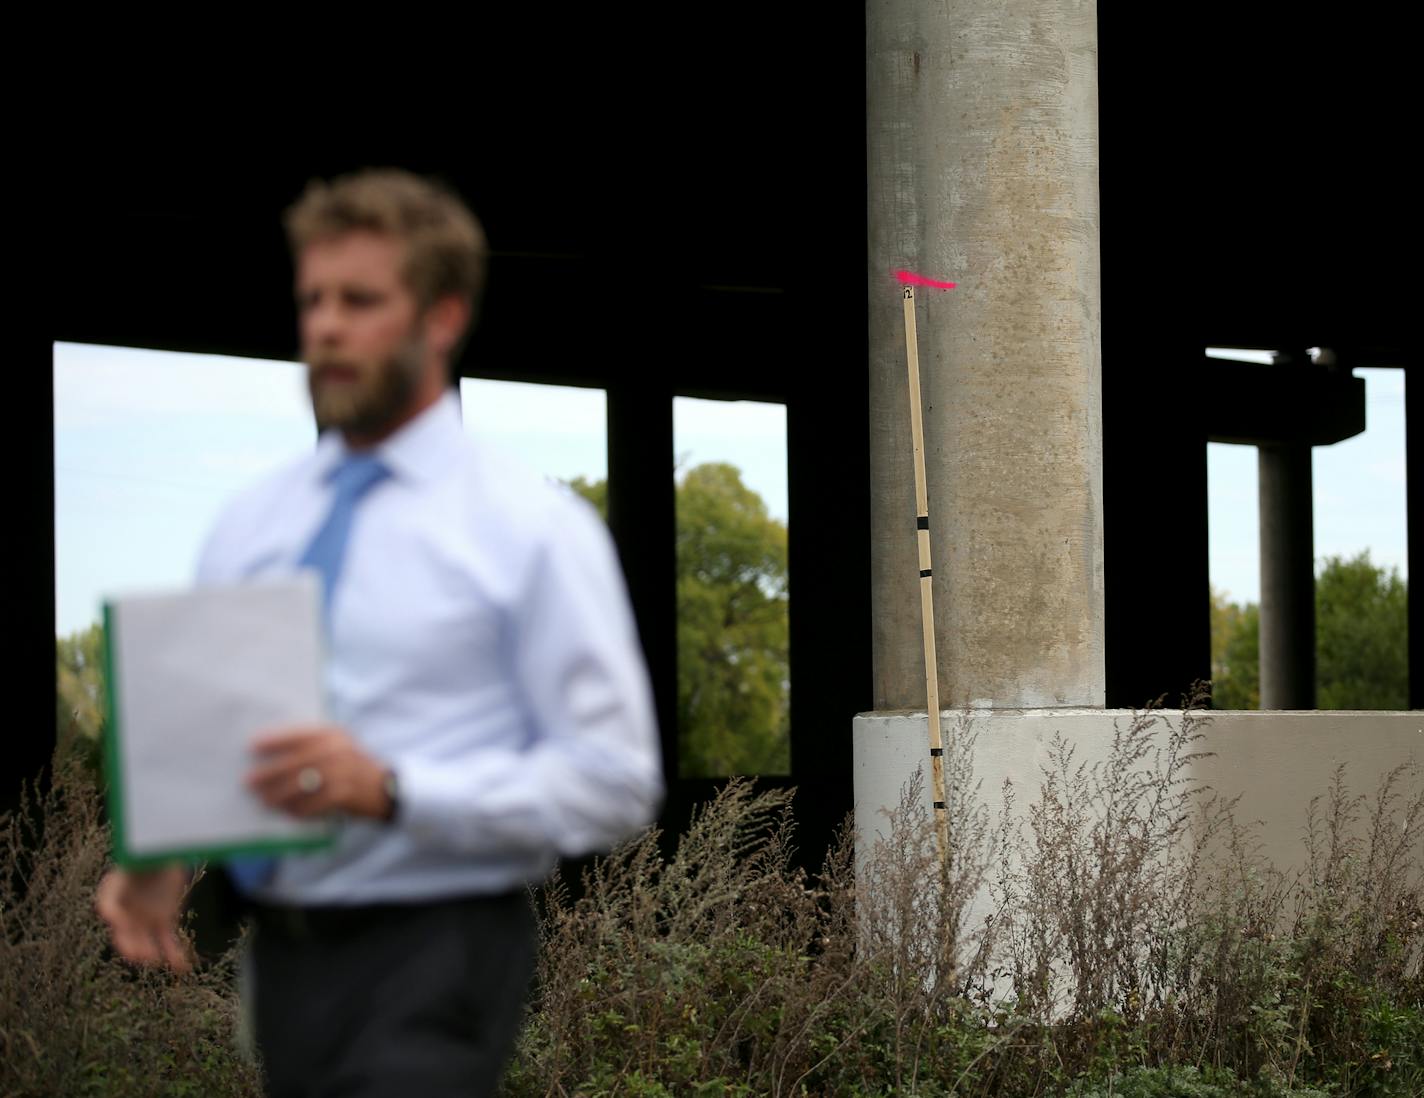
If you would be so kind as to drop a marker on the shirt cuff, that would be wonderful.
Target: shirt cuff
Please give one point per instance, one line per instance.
(473, 809)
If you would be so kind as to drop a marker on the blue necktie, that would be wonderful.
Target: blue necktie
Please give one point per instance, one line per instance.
(352, 478)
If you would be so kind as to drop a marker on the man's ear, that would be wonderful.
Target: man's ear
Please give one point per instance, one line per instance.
(446, 321)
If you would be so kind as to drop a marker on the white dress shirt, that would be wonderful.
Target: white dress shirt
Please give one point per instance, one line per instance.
(481, 645)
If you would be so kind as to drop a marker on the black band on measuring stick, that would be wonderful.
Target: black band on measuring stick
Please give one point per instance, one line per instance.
(922, 522)
(936, 752)
(926, 572)
(938, 804)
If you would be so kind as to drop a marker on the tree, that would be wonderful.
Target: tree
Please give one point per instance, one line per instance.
(1362, 631)
(1235, 654)
(79, 689)
(596, 492)
(733, 626)
(1362, 641)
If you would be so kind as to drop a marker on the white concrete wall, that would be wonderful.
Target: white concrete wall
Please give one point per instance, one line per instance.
(1276, 761)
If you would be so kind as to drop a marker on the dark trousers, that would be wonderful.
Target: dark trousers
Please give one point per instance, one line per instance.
(419, 1000)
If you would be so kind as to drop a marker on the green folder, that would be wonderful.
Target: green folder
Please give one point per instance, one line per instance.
(192, 676)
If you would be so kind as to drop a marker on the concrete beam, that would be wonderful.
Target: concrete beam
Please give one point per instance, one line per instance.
(1297, 404)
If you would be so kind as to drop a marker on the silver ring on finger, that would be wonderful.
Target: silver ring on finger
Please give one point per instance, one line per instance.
(309, 779)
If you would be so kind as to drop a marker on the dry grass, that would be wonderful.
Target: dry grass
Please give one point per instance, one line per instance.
(1134, 934)
(74, 1019)
(1136, 944)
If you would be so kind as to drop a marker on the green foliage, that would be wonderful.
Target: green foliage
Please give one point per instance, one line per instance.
(733, 629)
(79, 695)
(1235, 654)
(595, 491)
(1362, 641)
(1187, 1082)
(733, 625)
(1362, 630)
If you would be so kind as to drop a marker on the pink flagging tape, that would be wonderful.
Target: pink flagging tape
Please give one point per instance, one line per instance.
(920, 280)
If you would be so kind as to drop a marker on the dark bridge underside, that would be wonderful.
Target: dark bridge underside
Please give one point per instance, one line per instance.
(682, 210)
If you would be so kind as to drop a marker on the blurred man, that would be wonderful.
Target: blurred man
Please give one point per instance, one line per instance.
(490, 708)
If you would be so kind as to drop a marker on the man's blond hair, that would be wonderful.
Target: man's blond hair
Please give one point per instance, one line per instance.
(445, 245)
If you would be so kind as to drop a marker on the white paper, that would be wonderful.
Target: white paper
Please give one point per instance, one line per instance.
(199, 674)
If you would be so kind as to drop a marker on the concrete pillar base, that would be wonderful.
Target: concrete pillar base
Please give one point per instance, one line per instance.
(1275, 761)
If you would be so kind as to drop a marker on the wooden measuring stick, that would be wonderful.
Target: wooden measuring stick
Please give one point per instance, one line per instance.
(922, 531)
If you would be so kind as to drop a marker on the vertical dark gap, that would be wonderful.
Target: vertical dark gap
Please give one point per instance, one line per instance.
(1414, 508)
(643, 520)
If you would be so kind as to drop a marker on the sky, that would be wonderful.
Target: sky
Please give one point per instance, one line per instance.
(150, 445)
(1358, 493)
(562, 432)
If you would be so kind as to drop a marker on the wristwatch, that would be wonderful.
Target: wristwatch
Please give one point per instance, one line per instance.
(392, 788)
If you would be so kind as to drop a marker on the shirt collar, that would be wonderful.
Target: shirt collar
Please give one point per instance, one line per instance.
(419, 451)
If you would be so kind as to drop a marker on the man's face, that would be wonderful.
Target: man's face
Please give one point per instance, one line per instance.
(361, 333)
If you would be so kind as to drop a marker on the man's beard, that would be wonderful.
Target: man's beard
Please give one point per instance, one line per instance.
(371, 405)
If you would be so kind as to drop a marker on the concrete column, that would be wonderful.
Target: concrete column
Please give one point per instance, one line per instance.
(983, 169)
(1287, 578)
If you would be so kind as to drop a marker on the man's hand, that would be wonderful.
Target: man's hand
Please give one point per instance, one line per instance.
(312, 770)
(142, 910)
